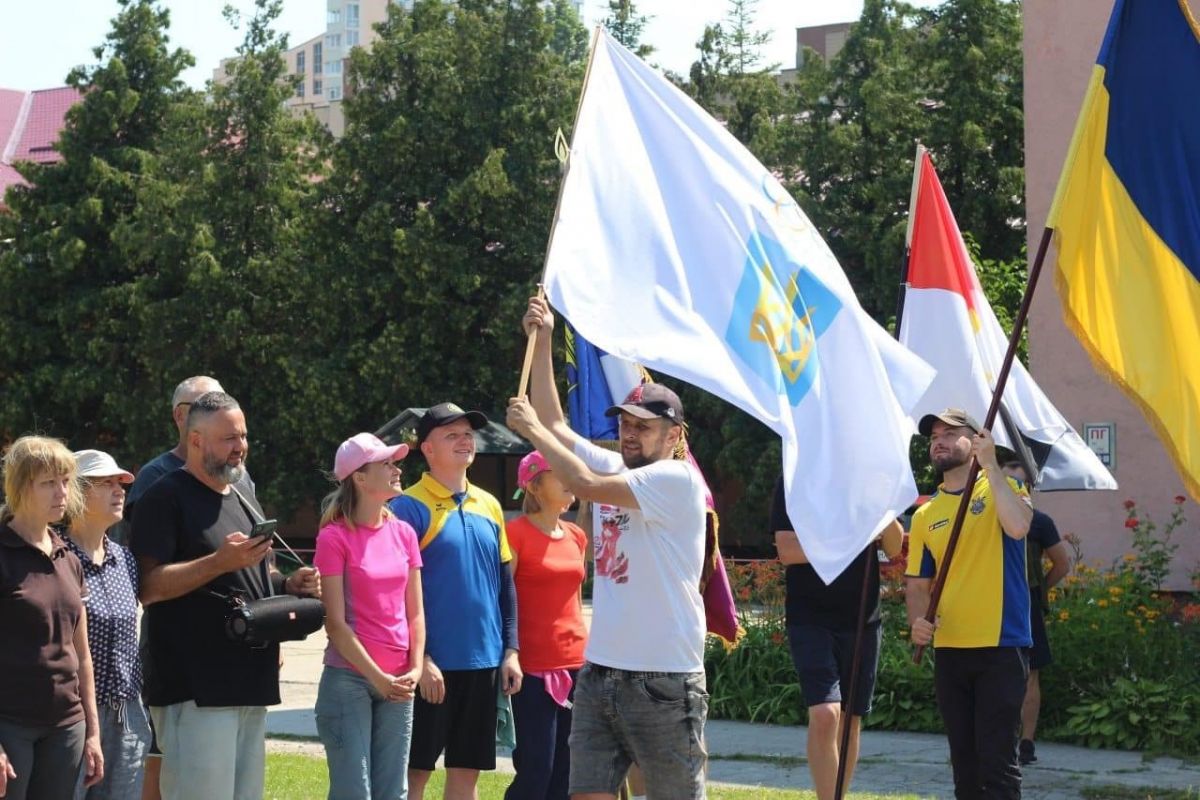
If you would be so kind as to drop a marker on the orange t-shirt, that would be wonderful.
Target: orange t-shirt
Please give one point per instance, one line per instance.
(549, 612)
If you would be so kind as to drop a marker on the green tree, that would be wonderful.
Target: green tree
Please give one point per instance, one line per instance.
(431, 227)
(626, 26)
(67, 300)
(568, 37)
(976, 124)
(743, 42)
(223, 220)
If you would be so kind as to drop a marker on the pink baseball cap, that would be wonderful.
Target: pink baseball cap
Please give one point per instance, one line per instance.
(531, 466)
(361, 449)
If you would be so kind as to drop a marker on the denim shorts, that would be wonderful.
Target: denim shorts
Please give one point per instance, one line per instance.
(654, 719)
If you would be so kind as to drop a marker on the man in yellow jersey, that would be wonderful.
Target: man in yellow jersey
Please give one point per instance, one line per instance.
(982, 628)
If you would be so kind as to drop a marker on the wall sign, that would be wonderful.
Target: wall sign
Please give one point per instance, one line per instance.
(1102, 438)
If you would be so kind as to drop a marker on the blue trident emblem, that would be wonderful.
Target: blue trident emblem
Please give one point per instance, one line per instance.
(780, 311)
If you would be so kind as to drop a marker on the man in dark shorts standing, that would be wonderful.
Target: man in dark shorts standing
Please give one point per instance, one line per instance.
(470, 607)
(822, 621)
(1043, 540)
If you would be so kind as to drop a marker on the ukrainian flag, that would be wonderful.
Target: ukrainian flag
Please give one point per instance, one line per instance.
(1126, 220)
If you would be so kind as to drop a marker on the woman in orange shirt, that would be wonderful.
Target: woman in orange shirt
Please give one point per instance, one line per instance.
(548, 567)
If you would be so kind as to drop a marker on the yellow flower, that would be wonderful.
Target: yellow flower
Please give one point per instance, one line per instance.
(1063, 616)
(1094, 626)
(1115, 591)
(1130, 557)
(1102, 603)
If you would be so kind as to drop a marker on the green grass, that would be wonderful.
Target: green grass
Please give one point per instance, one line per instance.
(300, 777)
(1137, 793)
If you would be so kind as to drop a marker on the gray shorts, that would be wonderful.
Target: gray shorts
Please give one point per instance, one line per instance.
(654, 719)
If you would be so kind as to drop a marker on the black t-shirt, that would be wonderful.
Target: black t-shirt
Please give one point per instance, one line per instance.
(809, 600)
(188, 656)
(1043, 534)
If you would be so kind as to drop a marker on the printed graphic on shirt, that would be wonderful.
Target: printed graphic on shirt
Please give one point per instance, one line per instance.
(610, 560)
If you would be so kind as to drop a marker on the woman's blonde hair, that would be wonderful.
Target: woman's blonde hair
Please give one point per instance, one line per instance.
(26, 460)
(340, 504)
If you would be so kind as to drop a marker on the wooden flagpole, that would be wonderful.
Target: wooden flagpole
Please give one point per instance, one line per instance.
(864, 594)
(564, 157)
(1014, 339)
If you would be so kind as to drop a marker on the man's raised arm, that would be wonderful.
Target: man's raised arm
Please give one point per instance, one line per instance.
(543, 394)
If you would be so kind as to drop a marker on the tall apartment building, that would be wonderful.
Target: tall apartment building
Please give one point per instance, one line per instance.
(320, 62)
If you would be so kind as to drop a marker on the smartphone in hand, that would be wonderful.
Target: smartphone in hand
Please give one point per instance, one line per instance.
(263, 531)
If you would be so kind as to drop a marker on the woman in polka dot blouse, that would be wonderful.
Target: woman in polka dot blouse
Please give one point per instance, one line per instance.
(112, 582)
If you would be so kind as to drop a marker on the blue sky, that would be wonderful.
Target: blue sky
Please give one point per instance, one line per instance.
(31, 57)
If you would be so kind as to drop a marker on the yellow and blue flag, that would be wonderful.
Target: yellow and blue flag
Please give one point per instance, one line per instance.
(1126, 220)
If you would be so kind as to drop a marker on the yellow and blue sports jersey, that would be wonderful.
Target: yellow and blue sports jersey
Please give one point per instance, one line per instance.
(985, 600)
(463, 545)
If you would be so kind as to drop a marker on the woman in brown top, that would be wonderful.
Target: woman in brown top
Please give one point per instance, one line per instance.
(48, 720)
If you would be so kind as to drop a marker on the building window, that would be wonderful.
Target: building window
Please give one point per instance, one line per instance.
(333, 41)
(317, 88)
(351, 38)
(335, 93)
(317, 58)
(300, 89)
(300, 62)
(334, 17)
(352, 15)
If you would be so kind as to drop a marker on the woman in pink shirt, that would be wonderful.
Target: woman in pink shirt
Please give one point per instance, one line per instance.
(370, 571)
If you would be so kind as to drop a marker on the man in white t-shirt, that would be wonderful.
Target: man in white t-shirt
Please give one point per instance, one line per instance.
(640, 696)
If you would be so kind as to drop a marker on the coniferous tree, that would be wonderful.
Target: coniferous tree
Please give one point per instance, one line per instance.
(67, 291)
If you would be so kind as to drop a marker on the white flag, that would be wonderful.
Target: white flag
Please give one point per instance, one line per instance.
(948, 322)
(675, 248)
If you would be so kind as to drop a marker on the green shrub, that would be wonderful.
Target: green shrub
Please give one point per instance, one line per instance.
(1124, 673)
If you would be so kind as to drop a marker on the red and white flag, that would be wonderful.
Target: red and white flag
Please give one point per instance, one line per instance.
(947, 322)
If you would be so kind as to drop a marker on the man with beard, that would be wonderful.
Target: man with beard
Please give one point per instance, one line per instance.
(164, 463)
(640, 696)
(207, 694)
(982, 629)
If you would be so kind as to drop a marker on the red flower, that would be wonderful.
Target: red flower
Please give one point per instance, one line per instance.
(1180, 499)
(1131, 522)
(1130, 505)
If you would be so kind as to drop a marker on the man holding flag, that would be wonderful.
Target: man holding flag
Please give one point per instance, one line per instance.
(980, 661)
(641, 695)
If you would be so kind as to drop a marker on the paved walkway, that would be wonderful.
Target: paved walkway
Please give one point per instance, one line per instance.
(768, 755)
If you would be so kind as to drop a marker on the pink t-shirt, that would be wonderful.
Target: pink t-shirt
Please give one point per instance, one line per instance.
(374, 564)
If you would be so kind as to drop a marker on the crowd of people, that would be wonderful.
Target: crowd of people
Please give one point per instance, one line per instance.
(450, 630)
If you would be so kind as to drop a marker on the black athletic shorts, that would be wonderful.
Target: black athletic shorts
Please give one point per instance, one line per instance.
(1039, 654)
(823, 658)
(463, 725)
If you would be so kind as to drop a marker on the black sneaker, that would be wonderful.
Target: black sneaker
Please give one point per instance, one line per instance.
(1025, 754)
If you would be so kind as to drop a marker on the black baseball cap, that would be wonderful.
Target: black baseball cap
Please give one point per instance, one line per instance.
(954, 417)
(444, 414)
(651, 400)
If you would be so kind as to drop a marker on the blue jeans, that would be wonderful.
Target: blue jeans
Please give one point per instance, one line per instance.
(655, 719)
(124, 738)
(366, 738)
(542, 757)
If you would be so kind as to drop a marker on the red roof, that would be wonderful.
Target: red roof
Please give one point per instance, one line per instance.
(29, 126)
